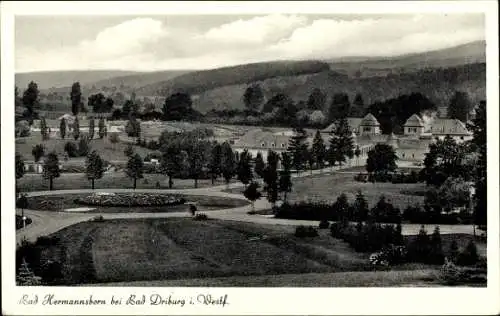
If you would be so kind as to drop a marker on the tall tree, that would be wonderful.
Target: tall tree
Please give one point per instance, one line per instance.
(316, 100)
(102, 128)
(381, 159)
(31, 100)
(318, 150)
(83, 146)
(76, 98)
(134, 169)
(357, 153)
(444, 159)
(178, 106)
(341, 143)
(479, 139)
(244, 171)
(253, 97)
(459, 106)
(51, 168)
(285, 179)
(129, 151)
(252, 193)
(19, 166)
(171, 161)
(97, 102)
(339, 107)
(341, 207)
(298, 148)
(199, 156)
(358, 106)
(91, 128)
(62, 128)
(228, 162)
(44, 129)
(259, 165)
(133, 127)
(38, 151)
(95, 167)
(76, 128)
(361, 207)
(271, 177)
(215, 162)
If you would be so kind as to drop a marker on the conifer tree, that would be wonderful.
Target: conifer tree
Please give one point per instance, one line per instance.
(341, 143)
(260, 165)
(298, 148)
(62, 128)
(318, 150)
(51, 168)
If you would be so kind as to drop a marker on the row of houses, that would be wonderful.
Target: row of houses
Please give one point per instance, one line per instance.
(412, 145)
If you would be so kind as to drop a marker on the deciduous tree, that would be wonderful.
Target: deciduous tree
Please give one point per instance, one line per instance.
(381, 159)
(134, 169)
(259, 165)
(252, 193)
(244, 171)
(38, 151)
(51, 168)
(285, 178)
(95, 167)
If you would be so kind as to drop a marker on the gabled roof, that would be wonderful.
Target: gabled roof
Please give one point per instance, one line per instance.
(449, 127)
(353, 122)
(255, 138)
(414, 121)
(369, 120)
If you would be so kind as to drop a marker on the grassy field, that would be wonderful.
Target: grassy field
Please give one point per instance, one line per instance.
(327, 187)
(183, 248)
(62, 202)
(106, 149)
(118, 180)
(183, 252)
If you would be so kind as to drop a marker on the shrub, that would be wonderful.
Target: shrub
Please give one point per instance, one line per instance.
(450, 274)
(469, 255)
(114, 138)
(306, 231)
(22, 129)
(83, 146)
(98, 218)
(19, 221)
(453, 252)
(324, 224)
(200, 217)
(71, 149)
(419, 248)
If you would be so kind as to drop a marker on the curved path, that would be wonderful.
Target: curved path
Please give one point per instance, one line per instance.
(45, 222)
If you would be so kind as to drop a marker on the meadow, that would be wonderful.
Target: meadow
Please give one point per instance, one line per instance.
(184, 252)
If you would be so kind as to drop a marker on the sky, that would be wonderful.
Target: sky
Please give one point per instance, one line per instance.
(149, 43)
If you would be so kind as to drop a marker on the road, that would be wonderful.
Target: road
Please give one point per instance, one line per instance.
(45, 222)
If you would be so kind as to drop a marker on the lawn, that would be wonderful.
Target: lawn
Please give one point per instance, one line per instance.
(183, 248)
(327, 187)
(62, 202)
(104, 147)
(111, 179)
(184, 252)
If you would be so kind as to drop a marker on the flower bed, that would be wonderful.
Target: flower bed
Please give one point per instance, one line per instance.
(127, 200)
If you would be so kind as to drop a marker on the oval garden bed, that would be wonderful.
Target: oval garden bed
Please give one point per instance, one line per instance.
(139, 202)
(129, 199)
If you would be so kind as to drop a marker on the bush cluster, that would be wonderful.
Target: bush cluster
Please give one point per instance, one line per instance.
(382, 212)
(306, 231)
(19, 221)
(367, 237)
(418, 215)
(49, 270)
(200, 217)
(324, 224)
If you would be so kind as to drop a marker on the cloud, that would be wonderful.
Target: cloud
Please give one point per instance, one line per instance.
(151, 44)
(330, 38)
(258, 30)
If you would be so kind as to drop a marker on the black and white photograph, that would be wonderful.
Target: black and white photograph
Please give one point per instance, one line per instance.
(248, 150)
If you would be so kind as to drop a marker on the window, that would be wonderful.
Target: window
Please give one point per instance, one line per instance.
(282, 145)
(461, 137)
(263, 144)
(366, 129)
(273, 145)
